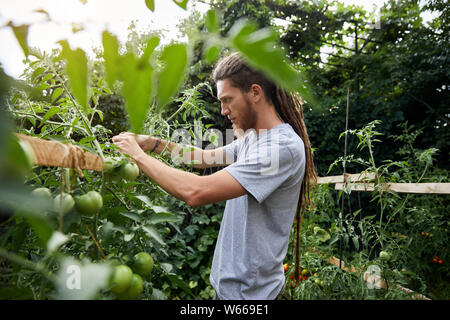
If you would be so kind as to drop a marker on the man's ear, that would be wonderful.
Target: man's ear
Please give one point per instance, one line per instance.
(256, 92)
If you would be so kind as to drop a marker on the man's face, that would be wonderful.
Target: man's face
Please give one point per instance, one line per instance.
(236, 106)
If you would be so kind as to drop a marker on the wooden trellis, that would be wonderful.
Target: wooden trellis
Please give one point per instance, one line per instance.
(364, 182)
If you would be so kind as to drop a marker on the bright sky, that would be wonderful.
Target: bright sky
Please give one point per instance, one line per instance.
(95, 16)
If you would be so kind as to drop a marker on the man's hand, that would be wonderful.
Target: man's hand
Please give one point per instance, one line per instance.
(128, 144)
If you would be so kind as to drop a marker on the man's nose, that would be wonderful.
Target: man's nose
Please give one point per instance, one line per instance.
(224, 110)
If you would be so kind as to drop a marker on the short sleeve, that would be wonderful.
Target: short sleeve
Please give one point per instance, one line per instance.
(263, 168)
(231, 149)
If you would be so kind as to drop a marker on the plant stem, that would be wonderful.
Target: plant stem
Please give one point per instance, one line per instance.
(27, 264)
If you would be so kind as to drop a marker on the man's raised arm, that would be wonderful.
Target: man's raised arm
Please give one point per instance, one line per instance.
(198, 157)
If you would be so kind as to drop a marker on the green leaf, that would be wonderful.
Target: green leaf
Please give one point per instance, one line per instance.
(181, 3)
(211, 51)
(145, 200)
(167, 267)
(56, 93)
(159, 209)
(262, 50)
(51, 112)
(153, 233)
(355, 242)
(175, 58)
(212, 22)
(150, 4)
(21, 34)
(111, 57)
(179, 283)
(77, 71)
(38, 222)
(131, 215)
(137, 76)
(162, 217)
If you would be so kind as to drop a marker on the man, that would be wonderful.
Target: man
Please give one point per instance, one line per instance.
(267, 178)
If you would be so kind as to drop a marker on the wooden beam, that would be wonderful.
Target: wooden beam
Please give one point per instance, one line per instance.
(418, 188)
(355, 177)
(57, 154)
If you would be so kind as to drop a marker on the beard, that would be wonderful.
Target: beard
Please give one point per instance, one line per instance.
(246, 121)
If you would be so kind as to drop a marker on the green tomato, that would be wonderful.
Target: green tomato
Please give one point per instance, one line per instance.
(121, 279)
(143, 264)
(129, 171)
(89, 203)
(385, 255)
(63, 203)
(110, 164)
(42, 193)
(134, 289)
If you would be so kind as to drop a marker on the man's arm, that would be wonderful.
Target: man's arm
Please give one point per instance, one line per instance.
(193, 189)
(202, 158)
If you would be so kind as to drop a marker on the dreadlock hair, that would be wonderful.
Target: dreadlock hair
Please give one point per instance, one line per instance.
(289, 108)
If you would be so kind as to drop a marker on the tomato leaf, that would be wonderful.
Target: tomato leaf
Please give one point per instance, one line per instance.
(111, 57)
(175, 58)
(261, 49)
(211, 51)
(150, 4)
(77, 71)
(39, 224)
(137, 76)
(56, 93)
(179, 283)
(145, 200)
(153, 233)
(162, 217)
(181, 3)
(212, 22)
(21, 34)
(49, 114)
(131, 215)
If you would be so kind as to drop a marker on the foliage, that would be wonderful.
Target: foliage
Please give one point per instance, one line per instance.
(144, 86)
(412, 228)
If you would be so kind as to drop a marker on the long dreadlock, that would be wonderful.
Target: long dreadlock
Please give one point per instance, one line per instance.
(289, 108)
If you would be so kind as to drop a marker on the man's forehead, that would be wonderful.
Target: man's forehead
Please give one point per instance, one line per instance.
(224, 88)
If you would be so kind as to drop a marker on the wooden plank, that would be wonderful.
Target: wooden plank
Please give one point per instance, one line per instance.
(355, 186)
(57, 154)
(437, 188)
(335, 261)
(355, 177)
(419, 188)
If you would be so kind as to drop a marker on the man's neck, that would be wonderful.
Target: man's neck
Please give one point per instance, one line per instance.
(267, 119)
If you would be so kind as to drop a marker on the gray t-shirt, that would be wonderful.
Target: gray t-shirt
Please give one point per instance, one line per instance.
(254, 233)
